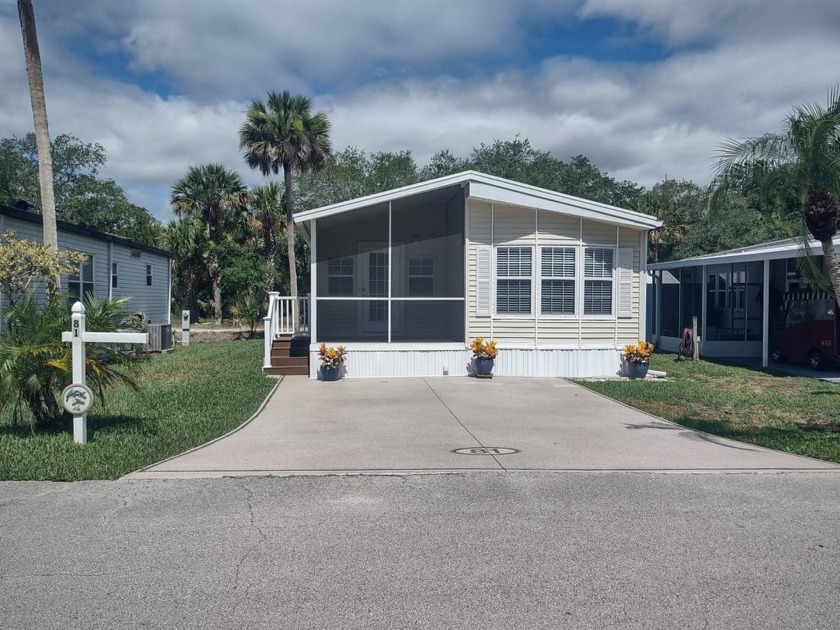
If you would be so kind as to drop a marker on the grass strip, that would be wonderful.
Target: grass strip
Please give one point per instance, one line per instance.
(186, 398)
(788, 413)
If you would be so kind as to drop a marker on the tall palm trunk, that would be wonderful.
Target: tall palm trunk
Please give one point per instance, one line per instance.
(832, 265)
(215, 270)
(290, 240)
(42, 131)
(270, 255)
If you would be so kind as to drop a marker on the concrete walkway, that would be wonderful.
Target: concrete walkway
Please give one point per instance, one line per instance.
(414, 425)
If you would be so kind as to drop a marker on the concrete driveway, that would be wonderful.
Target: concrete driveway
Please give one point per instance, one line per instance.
(417, 424)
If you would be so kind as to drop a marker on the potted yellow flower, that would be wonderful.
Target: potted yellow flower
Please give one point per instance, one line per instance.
(636, 358)
(331, 361)
(484, 353)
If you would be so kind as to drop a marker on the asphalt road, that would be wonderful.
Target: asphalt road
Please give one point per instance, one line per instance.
(467, 550)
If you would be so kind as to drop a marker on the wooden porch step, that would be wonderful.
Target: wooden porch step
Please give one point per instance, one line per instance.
(294, 370)
(289, 356)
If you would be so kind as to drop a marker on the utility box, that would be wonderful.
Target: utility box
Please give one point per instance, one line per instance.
(160, 337)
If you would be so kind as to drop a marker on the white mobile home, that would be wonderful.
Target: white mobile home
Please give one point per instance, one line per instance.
(116, 266)
(406, 278)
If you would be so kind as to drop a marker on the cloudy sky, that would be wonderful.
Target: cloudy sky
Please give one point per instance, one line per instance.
(645, 88)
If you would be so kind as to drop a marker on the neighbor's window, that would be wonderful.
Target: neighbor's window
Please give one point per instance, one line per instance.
(597, 280)
(148, 275)
(340, 275)
(114, 277)
(557, 286)
(513, 280)
(421, 277)
(80, 283)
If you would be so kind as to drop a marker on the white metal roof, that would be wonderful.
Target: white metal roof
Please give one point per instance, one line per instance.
(496, 190)
(773, 250)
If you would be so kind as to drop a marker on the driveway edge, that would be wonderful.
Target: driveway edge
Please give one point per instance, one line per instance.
(214, 440)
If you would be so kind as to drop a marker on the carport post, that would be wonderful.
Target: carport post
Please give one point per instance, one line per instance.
(765, 312)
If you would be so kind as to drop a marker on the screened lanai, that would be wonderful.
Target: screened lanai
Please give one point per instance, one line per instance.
(391, 271)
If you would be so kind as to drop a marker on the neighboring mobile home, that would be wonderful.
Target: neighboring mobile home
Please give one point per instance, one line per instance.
(406, 278)
(116, 266)
(750, 302)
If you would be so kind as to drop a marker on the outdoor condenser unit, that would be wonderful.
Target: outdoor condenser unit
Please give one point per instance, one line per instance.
(160, 337)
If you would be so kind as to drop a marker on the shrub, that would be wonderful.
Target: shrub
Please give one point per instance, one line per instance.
(35, 365)
(248, 311)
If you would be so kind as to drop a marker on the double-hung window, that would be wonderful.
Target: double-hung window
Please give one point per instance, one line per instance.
(557, 280)
(81, 283)
(598, 265)
(513, 280)
(421, 276)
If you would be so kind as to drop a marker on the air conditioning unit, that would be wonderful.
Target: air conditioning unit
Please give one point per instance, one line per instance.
(160, 337)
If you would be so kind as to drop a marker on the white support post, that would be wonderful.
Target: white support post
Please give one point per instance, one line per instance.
(78, 337)
(765, 315)
(267, 343)
(185, 328)
(273, 296)
(313, 284)
(77, 346)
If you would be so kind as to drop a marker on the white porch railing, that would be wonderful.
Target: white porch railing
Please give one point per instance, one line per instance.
(286, 316)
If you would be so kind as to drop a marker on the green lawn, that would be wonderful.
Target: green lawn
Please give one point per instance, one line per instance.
(186, 397)
(799, 415)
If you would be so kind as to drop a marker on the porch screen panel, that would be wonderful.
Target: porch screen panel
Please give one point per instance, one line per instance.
(340, 321)
(350, 249)
(428, 246)
(427, 320)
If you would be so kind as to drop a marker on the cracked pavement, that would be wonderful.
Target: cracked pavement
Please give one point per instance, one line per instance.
(465, 550)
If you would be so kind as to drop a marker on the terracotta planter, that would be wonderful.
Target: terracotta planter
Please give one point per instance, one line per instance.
(636, 369)
(329, 373)
(484, 367)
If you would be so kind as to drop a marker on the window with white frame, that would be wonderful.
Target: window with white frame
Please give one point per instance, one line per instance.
(557, 280)
(340, 277)
(513, 280)
(421, 276)
(80, 283)
(598, 265)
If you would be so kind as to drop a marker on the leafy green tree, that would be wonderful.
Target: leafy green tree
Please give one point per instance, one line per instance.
(81, 195)
(23, 261)
(35, 365)
(805, 158)
(282, 133)
(186, 240)
(680, 205)
(217, 197)
(268, 222)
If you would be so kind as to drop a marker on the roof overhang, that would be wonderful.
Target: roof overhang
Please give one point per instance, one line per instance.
(771, 251)
(495, 190)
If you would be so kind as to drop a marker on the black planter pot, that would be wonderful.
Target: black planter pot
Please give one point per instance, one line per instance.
(636, 369)
(484, 367)
(329, 373)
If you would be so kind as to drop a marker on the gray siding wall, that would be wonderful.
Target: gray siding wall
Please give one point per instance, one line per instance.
(152, 300)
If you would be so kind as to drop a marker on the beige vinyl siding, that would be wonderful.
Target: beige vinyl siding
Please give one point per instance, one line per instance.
(502, 225)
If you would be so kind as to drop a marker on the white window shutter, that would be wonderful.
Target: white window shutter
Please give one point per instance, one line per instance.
(625, 282)
(483, 280)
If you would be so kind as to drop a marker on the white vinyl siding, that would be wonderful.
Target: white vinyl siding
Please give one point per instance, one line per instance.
(491, 226)
(513, 280)
(557, 280)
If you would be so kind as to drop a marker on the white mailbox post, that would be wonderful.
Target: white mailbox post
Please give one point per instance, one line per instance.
(185, 328)
(78, 337)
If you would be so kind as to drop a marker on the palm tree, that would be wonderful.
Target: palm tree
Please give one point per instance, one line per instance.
(42, 130)
(187, 241)
(805, 156)
(268, 223)
(283, 133)
(214, 195)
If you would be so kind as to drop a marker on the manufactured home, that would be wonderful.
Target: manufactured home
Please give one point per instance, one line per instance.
(115, 266)
(752, 302)
(405, 279)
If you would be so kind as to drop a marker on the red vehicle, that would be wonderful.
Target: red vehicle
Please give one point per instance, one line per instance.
(810, 332)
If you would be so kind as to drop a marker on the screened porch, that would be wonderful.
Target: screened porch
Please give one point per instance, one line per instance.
(391, 272)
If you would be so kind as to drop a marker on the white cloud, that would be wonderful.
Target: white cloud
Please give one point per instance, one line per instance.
(640, 121)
